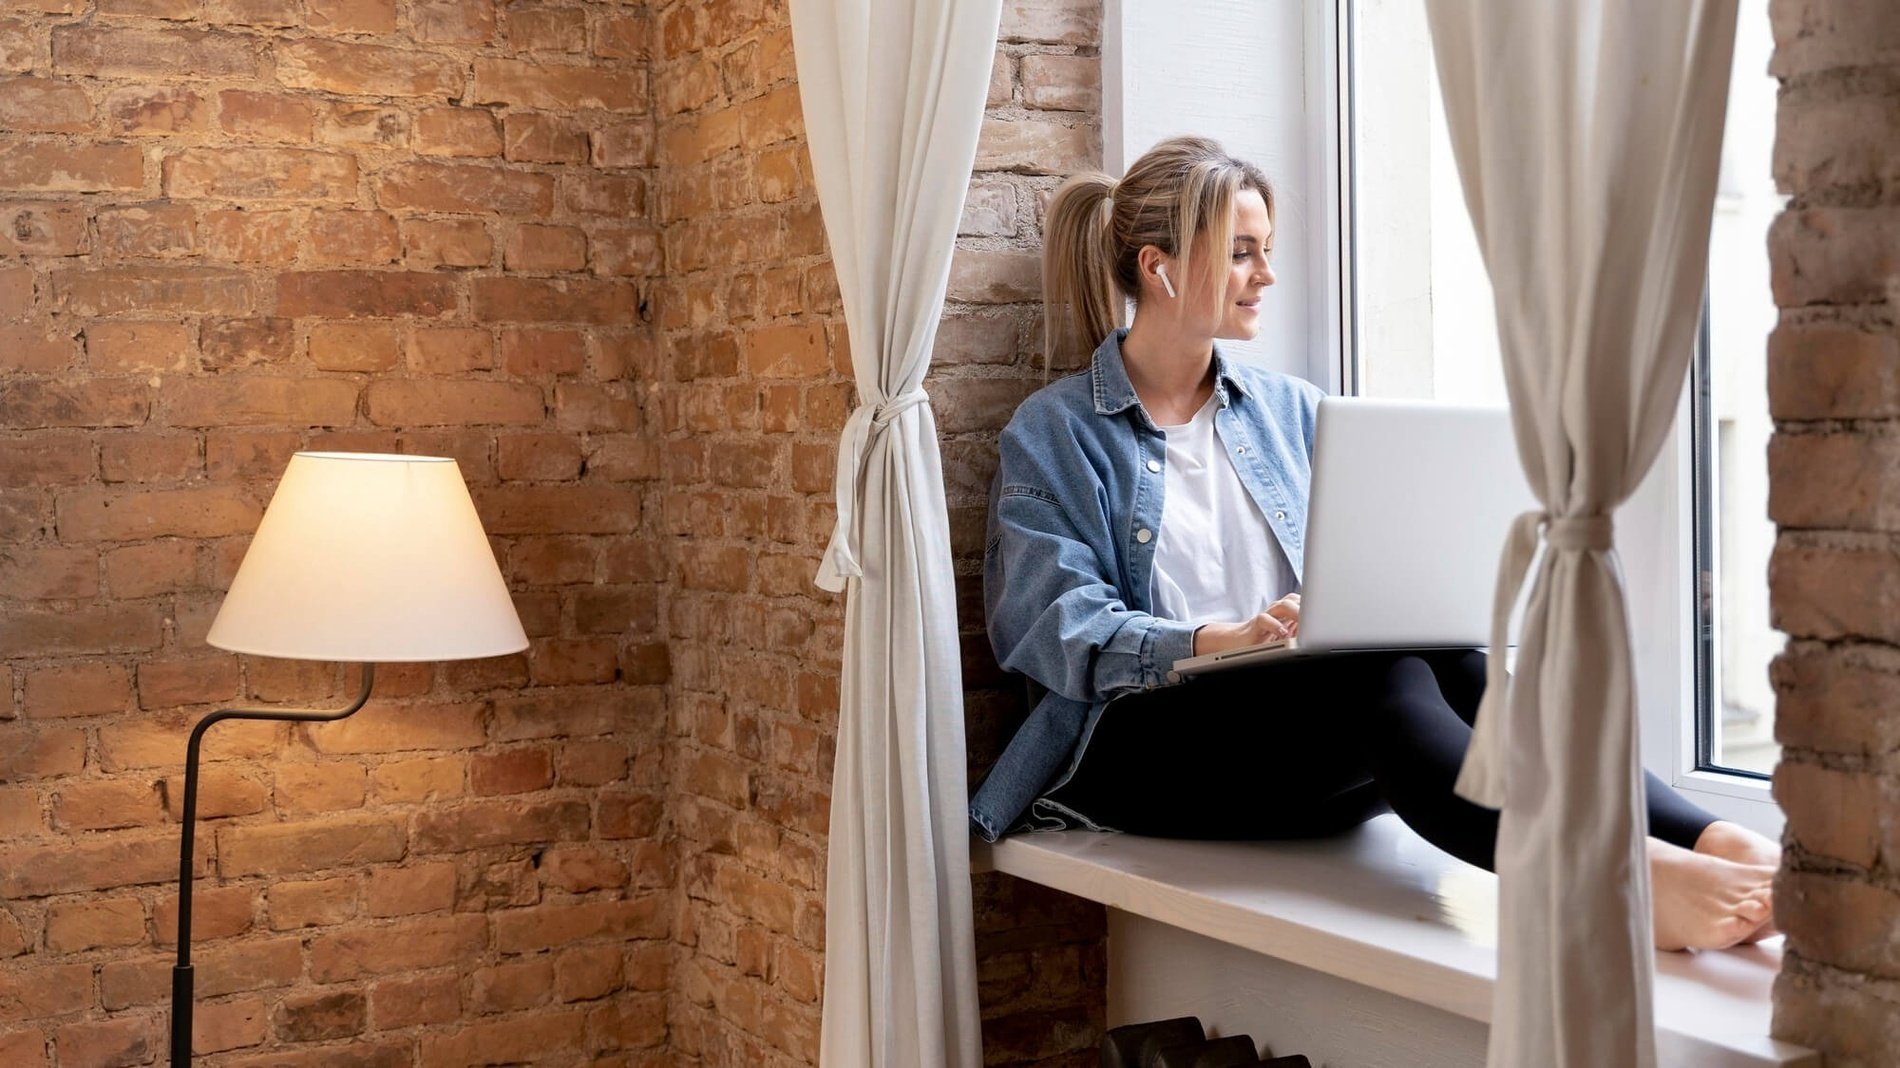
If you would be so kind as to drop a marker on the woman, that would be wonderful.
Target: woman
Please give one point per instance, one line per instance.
(1152, 509)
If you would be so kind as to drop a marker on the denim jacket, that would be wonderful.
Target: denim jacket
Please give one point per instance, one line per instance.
(1069, 555)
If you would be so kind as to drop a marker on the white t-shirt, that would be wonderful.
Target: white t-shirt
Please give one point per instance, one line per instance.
(1217, 560)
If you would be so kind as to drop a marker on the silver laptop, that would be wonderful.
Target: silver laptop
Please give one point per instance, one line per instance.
(1411, 503)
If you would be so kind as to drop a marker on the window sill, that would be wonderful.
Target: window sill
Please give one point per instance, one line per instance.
(1382, 908)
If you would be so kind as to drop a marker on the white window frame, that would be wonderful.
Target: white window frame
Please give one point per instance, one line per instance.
(1163, 67)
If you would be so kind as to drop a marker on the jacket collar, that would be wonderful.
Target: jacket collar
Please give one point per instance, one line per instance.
(1115, 393)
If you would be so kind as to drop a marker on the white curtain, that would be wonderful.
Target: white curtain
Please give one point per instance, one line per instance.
(893, 97)
(1587, 135)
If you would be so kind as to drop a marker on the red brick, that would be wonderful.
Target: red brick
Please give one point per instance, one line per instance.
(266, 116)
(49, 574)
(410, 890)
(591, 763)
(414, 403)
(580, 869)
(30, 403)
(194, 681)
(45, 458)
(382, 727)
(355, 294)
(628, 144)
(43, 228)
(526, 930)
(93, 862)
(226, 1025)
(449, 131)
(148, 291)
(1832, 255)
(586, 973)
(115, 1043)
(421, 780)
(260, 174)
(409, 1001)
(531, 352)
(366, 70)
(127, 346)
(50, 990)
(353, 16)
(517, 1039)
(83, 631)
(257, 401)
(353, 238)
(345, 841)
(44, 105)
(1064, 22)
(480, 824)
(77, 688)
(577, 509)
(406, 946)
(52, 167)
(513, 986)
(620, 196)
(354, 347)
(155, 110)
(151, 569)
(512, 771)
(35, 349)
(106, 804)
(318, 903)
(454, 21)
(329, 786)
(446, 243)
(546, 248)
(450, 350)
(24, 1049)
(73, 927)
(547, 29)
(531, 137)
(538, 457)
(216, 912)
(107, 50)
(464, 188)
(567, 88)
(621, 36)
(252, 236)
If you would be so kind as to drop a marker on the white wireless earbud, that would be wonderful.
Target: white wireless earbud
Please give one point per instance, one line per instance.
(1162, 271)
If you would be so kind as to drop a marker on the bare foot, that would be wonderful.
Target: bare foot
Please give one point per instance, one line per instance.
(1731, 841)
(1705, 902)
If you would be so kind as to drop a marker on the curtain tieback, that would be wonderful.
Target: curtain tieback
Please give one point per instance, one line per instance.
(1481, 779)
(868, 419)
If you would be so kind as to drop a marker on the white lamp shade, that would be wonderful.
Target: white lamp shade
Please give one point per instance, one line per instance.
(369, 558)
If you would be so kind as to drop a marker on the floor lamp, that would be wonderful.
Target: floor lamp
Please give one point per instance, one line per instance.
(360, 558)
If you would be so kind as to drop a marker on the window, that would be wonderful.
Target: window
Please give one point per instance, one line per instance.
(1695, 538)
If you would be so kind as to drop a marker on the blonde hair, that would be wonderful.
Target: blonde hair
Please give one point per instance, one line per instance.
(1180, 191)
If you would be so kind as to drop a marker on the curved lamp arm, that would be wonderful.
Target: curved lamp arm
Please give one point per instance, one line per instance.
(181, 973)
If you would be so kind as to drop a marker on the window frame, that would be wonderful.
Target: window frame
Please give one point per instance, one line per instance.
(1675, 682)
(1149, 85)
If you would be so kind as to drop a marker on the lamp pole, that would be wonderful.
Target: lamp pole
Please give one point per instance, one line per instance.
(181, 973)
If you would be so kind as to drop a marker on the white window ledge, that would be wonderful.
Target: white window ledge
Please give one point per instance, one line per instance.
(1382, 908)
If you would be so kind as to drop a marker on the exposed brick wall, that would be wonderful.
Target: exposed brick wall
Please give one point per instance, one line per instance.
(236, 228)
(752, 335)
(242, 227)
(1834, 395)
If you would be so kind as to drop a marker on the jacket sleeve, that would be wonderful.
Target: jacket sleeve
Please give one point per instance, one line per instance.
(1054, 609)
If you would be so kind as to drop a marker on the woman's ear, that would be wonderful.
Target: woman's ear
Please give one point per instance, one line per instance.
(1154, 265)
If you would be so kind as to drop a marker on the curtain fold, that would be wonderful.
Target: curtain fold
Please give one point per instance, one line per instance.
(1587, 135)
(893, 98)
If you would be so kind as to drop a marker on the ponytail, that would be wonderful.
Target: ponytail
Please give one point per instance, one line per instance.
(1081, 304)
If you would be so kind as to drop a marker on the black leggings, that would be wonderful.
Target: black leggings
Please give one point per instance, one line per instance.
(1309, 746)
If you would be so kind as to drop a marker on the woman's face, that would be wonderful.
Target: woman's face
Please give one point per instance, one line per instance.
(1248, 272)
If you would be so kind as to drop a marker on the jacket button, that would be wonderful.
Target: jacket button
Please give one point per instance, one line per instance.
(1279, 515)
(1154, 465)
(1174, 676)
(1144, 535)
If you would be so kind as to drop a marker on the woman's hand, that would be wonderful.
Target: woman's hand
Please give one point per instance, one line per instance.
(1281, 620)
